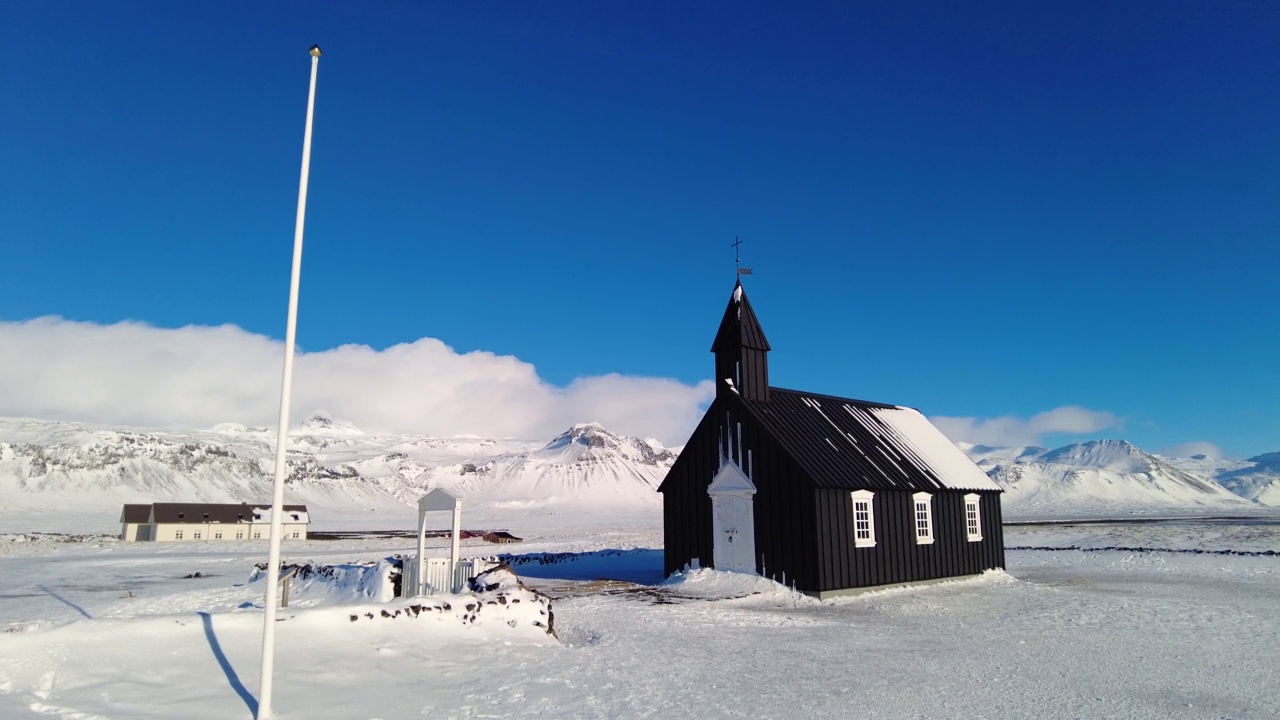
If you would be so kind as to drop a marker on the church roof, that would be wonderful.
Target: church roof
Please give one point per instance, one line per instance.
(197, 513)
(739, 327)
(860, 445)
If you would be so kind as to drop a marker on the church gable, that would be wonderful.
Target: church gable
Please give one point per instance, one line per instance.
(731, 480)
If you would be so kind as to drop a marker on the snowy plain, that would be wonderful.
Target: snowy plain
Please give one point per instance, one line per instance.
(94, 628)
(1140, 617)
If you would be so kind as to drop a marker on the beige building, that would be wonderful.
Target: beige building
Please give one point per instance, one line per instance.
(169, 522)
(135, 521)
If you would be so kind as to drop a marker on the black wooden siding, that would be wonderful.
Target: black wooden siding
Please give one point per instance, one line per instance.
(785, 533)
(686, 507)
(749, 370)
(803, 534)
(896, 558)
(739, 326)
(741, 350)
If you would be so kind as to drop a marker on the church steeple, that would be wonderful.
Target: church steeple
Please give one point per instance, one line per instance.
(741, 350)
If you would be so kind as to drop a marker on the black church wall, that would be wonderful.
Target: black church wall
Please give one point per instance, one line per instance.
(686, 507)
(785, 531)
(786, 535)
(896, 557)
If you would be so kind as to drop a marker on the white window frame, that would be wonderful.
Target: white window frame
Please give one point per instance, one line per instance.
(177, 534)
(922, 518)
(973, 530)
(864, 537)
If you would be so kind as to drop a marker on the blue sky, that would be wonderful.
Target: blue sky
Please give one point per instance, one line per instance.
(978, 211)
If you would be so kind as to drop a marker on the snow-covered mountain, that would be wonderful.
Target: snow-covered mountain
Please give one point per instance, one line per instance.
(1099, 477)
(57, 467)
(47, 466)
(1256, 479)
(584, 466)
(988, 457)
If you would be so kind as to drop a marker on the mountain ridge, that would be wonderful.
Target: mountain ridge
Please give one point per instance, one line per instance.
(47, 464)
(54, 466)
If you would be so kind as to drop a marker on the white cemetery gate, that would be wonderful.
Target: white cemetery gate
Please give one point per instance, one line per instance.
(439, 575)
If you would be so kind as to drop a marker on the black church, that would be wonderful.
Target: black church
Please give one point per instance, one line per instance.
(825, 494)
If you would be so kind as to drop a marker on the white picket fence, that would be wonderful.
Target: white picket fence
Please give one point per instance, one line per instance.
(437, 577)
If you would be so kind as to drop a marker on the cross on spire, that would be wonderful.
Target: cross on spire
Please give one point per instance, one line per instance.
(737, 261)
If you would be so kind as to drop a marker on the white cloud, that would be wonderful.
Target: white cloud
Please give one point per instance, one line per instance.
(1196, 447)
(1012, 431)
(134, 374)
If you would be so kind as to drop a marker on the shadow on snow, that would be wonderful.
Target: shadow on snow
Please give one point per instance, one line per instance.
(642, 566)
(64, 601)
(249, 700)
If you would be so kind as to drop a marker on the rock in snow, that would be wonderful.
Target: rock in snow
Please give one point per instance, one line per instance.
(501, 587)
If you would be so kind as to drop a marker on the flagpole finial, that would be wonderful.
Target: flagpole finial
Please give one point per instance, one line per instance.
(315, 51)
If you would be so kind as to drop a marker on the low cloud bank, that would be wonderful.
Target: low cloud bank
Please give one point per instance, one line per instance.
(1193, 448)
(135, 374)
(1012, 431)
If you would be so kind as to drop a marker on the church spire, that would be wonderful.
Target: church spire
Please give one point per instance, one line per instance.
(741, 350)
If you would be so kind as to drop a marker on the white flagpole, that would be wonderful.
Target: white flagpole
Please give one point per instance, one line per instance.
(282, 438)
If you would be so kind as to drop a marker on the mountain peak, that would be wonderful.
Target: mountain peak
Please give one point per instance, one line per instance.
(591, 442)
(1268, 459)
(1098, 446)
(591, 435)
(1124, 445)
(322, 423)
(1119, 455)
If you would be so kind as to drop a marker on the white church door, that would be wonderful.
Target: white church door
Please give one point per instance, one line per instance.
(735, 542)
(733, 520)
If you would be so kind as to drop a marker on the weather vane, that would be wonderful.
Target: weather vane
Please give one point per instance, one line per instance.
(737, 260)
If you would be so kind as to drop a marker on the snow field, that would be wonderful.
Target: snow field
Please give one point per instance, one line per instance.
(1062, 635)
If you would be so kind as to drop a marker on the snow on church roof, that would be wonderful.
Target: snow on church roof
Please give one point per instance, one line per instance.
(862, 445)
(916, 433)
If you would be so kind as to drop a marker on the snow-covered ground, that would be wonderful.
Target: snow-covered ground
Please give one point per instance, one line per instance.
(94, 628)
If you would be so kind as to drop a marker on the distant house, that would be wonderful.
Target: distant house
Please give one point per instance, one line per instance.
(501, 537)
(136, 523)
(826, 494)
(164, 522)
